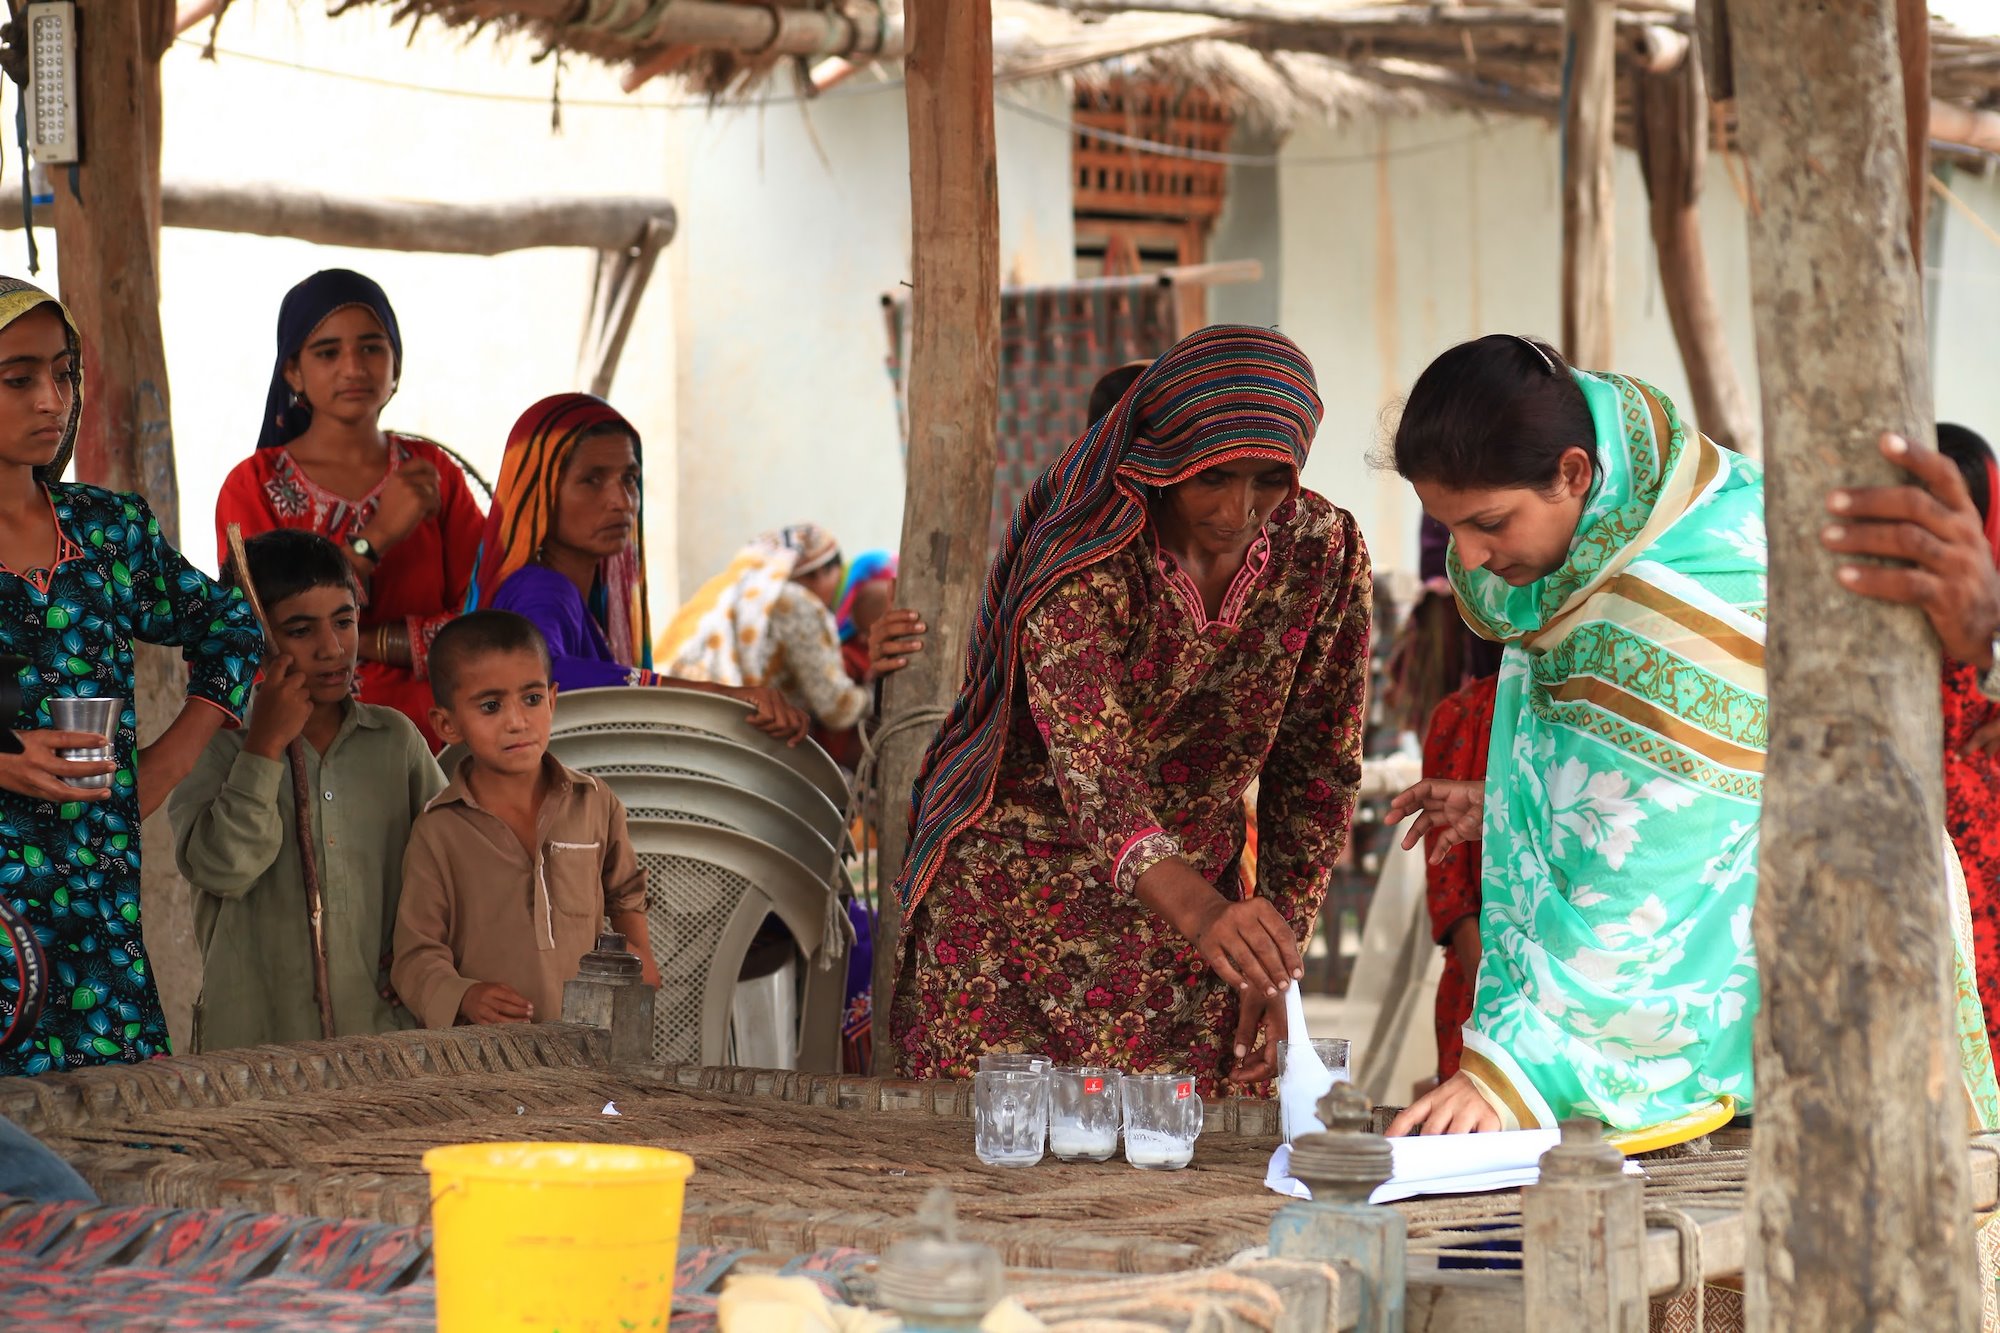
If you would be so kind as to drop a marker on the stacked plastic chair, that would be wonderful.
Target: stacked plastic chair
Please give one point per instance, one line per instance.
(734, 830)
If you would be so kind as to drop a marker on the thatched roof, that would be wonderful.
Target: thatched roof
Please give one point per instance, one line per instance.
(1279, 61)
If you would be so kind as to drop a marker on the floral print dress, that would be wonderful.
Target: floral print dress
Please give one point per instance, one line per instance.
(1972, 817)
(1145, 724)
(73, 869)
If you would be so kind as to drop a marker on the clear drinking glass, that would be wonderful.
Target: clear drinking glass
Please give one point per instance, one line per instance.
(1013, 1061)
(1332, 1052)
(1162, 1120)
(1083, 1113)
(1010, 1112)
(1300, 1089)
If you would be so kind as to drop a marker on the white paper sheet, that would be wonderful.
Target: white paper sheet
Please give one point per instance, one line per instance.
(1445, 1164)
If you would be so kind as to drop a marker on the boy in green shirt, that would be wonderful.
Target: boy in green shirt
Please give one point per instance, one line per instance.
(235, 830)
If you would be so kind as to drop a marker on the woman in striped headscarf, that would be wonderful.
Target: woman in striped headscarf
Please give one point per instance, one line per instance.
(564, 547)
(1169, 619)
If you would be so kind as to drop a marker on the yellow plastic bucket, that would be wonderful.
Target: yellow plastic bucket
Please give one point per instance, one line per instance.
(568, 1237)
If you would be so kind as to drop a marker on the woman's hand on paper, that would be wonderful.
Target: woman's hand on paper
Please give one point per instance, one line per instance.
(1456, 810)
(1455, 1106)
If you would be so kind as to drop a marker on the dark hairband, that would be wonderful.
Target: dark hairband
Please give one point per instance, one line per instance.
(1541, 353)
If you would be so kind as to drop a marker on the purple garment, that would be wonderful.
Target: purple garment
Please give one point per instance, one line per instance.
(1433, 540)
(580, 657)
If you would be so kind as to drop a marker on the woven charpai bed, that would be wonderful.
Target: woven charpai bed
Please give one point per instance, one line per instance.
(788, 1165)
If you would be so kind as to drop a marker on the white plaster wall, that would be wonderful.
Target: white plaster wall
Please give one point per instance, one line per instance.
(1402, 237)
(483, 337)
(797, 220)
(1965, 325)
(1250, 228)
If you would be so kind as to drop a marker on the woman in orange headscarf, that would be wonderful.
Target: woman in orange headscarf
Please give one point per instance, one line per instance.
(564, 547)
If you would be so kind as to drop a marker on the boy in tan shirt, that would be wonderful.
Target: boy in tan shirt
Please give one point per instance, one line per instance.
(512, 869)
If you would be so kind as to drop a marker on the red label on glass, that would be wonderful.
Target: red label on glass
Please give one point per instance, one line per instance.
(1093, 1085)
(1182, 1091)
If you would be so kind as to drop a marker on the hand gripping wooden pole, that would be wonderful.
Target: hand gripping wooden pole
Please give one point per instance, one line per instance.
(295, 758)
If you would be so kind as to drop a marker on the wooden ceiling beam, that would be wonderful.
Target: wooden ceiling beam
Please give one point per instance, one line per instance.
(713, 25)
(613, 223)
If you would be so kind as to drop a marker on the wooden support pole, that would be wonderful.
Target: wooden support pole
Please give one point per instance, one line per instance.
(107, 216)
(612, 223)
(1913, 46)
(954, 402)
(1860, 1206)
(1590, 118)
(1672, 134)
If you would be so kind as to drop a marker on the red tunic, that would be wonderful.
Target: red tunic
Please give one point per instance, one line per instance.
(1455, 748)
(1972, 815)
(420, 583)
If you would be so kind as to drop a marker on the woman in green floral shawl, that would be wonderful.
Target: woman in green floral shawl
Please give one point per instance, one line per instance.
(1620, 557)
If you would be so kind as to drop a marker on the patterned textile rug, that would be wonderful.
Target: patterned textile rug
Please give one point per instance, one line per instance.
(71, 1268)
(1055, 342)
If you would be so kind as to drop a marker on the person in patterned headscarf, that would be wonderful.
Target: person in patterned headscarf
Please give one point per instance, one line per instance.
(84, 573)
(1170, 619)
(767, 620)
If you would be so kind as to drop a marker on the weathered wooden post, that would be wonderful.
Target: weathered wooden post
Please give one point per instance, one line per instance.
(1342, 1167)
(954, 401)
(1672, 129)
(1859, 1199)
(107, 218)
(1589, 115)
(1583, 1252)
(108, 250)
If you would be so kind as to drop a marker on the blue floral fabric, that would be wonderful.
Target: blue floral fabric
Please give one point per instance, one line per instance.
(73, 869)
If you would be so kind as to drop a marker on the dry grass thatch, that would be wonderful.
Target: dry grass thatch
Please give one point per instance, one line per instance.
(1280, 62)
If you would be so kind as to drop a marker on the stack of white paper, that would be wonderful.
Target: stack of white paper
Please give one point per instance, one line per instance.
(1446, 1164)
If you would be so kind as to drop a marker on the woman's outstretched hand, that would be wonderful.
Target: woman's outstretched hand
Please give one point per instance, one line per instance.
(1455, 809)
(1248, 941)
(772, 713)
(1455, 1106)
(894, 638)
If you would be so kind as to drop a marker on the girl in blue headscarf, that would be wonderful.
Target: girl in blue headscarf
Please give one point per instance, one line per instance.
(396, 504)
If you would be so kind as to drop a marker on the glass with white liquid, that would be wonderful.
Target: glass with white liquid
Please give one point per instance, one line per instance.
(1162, 1120)
(1010, 1113)
(1083, 1113)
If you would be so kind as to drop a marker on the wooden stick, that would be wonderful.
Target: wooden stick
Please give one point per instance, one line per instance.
(295, 756)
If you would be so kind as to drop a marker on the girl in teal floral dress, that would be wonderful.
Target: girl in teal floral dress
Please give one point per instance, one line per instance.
(83, 573)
